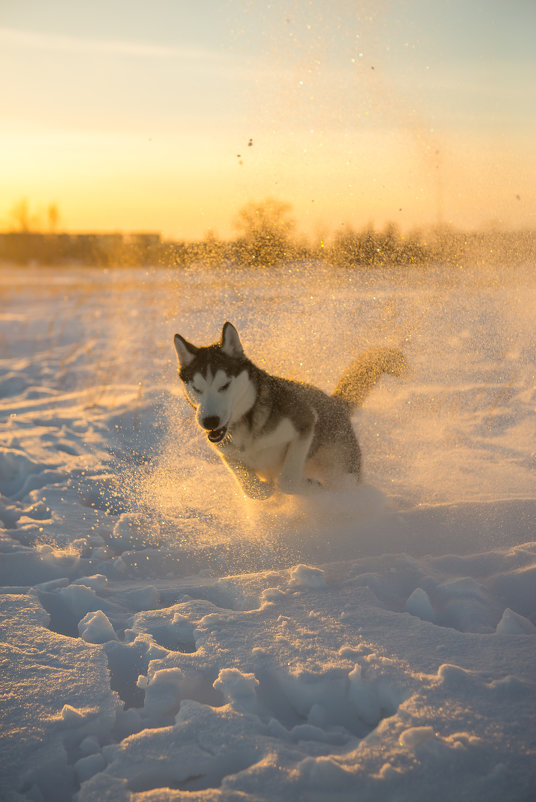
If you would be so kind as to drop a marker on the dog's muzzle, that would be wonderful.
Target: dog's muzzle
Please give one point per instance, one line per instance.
(217, 435)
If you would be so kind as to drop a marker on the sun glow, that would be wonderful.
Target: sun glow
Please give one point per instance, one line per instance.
(363, 116)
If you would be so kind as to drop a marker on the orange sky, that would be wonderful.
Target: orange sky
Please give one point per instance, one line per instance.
(135, 117)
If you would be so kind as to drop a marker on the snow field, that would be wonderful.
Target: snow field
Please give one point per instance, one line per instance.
(163, 639)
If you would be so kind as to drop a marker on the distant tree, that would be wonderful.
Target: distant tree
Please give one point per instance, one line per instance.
(53, 215)
(368, 246)
(413, 249)
(390, 242)
(212, 249)
(345, 248)
(265, 229)
(20, 214)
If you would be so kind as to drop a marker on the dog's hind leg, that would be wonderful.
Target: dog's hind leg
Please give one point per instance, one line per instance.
(249, 481)
(291, 479)
(333, 462)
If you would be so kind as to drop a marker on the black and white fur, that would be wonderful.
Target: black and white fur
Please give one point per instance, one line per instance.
(271, 431)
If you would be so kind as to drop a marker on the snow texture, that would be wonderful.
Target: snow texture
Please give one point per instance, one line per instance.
(163, 638)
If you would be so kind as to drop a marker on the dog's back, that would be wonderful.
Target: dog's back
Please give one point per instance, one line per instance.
(334, 448)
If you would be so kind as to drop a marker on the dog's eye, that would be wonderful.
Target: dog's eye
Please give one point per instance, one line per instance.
(196, 391)
(224, 387)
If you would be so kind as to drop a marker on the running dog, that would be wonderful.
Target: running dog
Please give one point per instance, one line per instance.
(273, 432)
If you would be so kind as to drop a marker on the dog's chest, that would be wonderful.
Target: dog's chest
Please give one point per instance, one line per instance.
(262, 453)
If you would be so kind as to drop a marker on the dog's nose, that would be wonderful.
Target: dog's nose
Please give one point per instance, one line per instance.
(211, 422)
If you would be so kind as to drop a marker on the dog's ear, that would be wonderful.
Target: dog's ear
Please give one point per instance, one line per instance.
(230, 341)
(185, 350)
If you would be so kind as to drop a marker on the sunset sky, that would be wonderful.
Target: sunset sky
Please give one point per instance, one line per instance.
(170, 115)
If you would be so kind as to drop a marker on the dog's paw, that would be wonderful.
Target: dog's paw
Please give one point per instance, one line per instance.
(300, 487)
(291, 486)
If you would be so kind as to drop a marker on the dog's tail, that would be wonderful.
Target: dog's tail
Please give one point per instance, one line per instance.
(365, 371)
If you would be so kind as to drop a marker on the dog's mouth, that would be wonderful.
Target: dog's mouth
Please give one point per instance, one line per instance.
(217, 435)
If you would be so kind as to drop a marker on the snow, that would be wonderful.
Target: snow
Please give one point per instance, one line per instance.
(163, 638)
(306, 576)
(96, 628)
(514, 624)
(419, 604)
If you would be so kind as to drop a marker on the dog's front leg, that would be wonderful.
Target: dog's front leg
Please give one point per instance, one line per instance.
(291, 479)
(248, 480)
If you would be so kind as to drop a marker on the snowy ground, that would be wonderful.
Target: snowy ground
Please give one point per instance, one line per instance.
(164, 639)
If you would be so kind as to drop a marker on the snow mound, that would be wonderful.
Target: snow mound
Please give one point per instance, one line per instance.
(514, 624)
(419, 604)
(95, 627)
(306, 576)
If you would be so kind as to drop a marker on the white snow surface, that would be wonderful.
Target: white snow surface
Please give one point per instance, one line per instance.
(162, 638)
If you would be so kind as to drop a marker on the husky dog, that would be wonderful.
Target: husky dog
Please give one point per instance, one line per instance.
(275, 432)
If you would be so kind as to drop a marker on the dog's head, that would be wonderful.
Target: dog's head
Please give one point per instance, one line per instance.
(215, 379)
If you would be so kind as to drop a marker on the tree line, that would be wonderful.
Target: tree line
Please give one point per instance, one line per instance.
(266, 236)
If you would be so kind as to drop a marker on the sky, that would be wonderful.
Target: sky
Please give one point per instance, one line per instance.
(170, 116)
